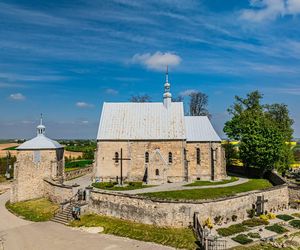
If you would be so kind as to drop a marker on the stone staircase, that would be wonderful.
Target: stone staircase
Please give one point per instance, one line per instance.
(64, 216)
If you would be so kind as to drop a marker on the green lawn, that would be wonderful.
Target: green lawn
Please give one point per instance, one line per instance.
(174, 237)
(34, 210)
(74, 165)
(112, 186)
(2, 178)
(211, 193)
(211, 183)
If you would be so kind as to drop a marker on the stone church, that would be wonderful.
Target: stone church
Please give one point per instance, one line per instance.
(160, 144)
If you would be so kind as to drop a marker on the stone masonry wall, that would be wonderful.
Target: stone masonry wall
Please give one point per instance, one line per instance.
(134, 170)
(203, 170)
(28, 175)
(78, 172)
(56, 192)
(180, 214)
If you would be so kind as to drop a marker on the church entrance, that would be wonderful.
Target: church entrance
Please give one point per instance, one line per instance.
(185, 167)
(145, 177)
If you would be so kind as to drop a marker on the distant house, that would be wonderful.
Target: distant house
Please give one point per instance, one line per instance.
(163, 144)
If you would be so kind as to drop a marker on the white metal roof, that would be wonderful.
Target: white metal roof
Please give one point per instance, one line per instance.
(141, 121)
(199, 128)
(39, 142)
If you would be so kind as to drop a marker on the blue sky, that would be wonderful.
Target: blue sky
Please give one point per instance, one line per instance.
(65, 58)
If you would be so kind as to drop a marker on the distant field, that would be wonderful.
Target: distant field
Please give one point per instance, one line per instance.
(4, 147)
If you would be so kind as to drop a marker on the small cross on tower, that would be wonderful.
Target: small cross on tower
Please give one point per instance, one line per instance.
(121, 159)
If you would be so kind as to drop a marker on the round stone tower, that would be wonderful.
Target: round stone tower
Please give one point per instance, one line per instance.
(37, 159)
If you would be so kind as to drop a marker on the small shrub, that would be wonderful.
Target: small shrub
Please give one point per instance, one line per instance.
(254, 222)
(271, 216)
(242, 239)
(295, 223)
(208, 223)
(217, 219)
(264, 217)
(233, 229)
(277, 229)
(285, 217)
(254, 235)
(234, 217)
(251, 213)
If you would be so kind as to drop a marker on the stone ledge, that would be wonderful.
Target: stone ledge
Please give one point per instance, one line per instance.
(53, 183)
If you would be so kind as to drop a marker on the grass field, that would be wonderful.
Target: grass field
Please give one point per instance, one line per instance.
(33, 210)
(180, 238)
(211, 193)
(128, 186)
(74, 165)
(211, 183)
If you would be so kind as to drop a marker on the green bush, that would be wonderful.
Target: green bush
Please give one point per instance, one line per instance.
(285, 217)
(233, 229)
(254, 222)
(295, 223)
(277, 229)
(242, 239)
(254, 235)
(104, 185)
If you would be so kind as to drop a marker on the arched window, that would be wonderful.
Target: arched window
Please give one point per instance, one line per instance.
(198, 155)
(170, 157)
(116, 157)
(156, 172)
(146, 157)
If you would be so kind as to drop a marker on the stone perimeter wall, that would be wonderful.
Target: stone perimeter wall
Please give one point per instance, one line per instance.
(57, 193)
(180, 214)
(77, 173)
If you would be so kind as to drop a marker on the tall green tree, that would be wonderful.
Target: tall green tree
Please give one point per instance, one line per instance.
(262, 130)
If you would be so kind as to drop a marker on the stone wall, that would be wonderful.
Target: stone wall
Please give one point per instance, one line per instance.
(78, 172)
(159, 170)
(56, 192)
(135, 169)
(204, 171)
(180, 214)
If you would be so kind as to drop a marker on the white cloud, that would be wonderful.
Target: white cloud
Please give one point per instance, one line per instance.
(84, 105)
(111, 91)
(17, 97)
(270, 9)
(158, 60)
(187, 92)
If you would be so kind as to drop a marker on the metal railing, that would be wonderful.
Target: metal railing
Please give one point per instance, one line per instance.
(207, 242)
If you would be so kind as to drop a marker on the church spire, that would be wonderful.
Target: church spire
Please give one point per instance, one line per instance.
(41, 128)
(167, 94)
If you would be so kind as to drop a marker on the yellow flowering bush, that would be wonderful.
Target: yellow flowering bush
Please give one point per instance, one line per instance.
(208, 223)
(264, 217)
(271, 216)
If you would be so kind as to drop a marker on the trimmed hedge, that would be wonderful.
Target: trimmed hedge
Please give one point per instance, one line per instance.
(285, 217)
(295, 223)
(233, 229)
(277, 229)
(242, 239)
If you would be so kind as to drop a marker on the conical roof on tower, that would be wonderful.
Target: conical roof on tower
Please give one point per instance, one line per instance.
(40, 141)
